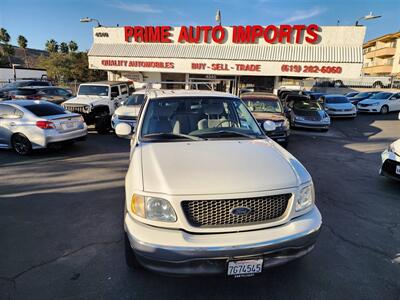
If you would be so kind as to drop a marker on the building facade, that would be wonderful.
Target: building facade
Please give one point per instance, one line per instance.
(382, 56)
(235, 56)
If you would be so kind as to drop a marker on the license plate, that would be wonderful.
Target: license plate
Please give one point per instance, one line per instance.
(68, 125)
(244, 268)
(398, 169)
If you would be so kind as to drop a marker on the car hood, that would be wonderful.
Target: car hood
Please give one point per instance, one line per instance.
(261, 116)
(339, 105)
(370, 101)
(85, 100)
(131, 111)
(218, 167)
(396, 146)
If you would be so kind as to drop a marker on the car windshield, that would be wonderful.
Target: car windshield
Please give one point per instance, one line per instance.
(13, 85)
(362, 95)
(135, 100)
(381, 96)
(45, 109)
(263, 105)
(93, 90)
(307, 105)
(334, 100)
(192, 118)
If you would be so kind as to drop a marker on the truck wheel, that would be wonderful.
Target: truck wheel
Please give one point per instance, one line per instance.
(378, 85)
(21, 144)
(384, 110)
(338, 83)
(130, 257)
(103, 124)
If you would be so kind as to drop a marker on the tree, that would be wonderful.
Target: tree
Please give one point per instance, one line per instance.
(51, 46)
(6, 48)
(23, 43)
(73, 46)
(64, 48)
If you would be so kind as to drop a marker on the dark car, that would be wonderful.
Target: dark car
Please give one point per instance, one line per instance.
(361, 96)
(314, 96)
(351, 94)
(267, 107)
(52, 94)
(12, 86)
(305, 113)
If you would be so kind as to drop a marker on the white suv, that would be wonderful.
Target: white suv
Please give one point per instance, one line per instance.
(97, 101)
(207, 192)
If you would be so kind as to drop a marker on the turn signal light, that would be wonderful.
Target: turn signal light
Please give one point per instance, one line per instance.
(45, 125)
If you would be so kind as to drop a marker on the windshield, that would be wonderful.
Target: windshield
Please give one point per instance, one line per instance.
(362, 95)
(45, 109)
(205, 117)
(336, 100)
(135, 100)
(381, 96)
(263, 105)
(15, 84)
(93, 90)
(304, 105)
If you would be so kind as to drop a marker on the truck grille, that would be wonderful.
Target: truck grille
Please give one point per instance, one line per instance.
(219, 213)
(75, 108)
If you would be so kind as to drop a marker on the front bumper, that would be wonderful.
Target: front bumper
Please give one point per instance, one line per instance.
(311, 124)
(390, 163)
(369, 109)
(172, 251)
(345, 114)
(280, 136)
(53, 136)
(115, 120)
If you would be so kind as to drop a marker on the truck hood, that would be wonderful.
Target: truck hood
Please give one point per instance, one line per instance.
(131, 111)
(218, 167)
(85, 100)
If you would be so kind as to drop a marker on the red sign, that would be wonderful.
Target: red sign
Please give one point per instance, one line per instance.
(217, 34)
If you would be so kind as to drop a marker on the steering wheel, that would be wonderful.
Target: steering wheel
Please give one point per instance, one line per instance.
(234, 123)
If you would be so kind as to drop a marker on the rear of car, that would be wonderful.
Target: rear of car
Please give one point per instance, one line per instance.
(24, 93)
(28, 125)
(338, 106)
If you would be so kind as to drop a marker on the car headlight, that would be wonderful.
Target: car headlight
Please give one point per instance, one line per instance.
(300, 118)
(305, 197)
(86, 108)
(152, 208)
(114, 116)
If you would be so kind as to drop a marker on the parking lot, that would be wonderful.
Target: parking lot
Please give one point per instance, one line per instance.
(61, 224)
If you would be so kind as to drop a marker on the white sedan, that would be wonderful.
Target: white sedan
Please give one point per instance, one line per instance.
(383, 103)
(26, 125)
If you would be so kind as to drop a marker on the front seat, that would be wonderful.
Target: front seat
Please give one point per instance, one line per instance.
(213, 113)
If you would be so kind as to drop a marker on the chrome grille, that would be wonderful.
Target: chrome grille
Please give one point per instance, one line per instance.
(219, 213)
(76, 109)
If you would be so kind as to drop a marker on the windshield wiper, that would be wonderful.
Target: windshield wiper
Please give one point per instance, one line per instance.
(156, 136)
(228, 133)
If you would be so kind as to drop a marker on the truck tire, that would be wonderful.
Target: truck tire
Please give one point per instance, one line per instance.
(103, 124)
(377, 85)
(338, 83)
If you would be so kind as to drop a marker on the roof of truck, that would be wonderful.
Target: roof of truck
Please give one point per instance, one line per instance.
(105, 83)
(161, 93)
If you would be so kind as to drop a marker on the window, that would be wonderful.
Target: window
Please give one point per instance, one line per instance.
(135, 100)
(38, 83)
(45, 109)
(114, 91)
(63, 92)
(93, 90)
(51, 92)
(124, 89)
(9, 112)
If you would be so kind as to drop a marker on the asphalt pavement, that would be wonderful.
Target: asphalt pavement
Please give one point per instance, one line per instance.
(61, 228)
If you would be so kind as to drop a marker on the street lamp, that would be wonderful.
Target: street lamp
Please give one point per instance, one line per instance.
(218, 17)
(14, 71)
(87, 20)
(367, 17)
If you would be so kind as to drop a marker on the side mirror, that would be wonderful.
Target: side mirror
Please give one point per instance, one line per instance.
(269, 126)
(123, 130)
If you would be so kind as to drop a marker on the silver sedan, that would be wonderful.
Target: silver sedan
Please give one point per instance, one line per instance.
(26, 125)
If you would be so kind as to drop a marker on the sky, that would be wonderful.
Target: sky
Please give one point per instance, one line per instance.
(41, 20)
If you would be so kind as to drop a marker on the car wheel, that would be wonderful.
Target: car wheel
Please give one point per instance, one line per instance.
(21, 144)
(130, 257)
(384, 110)
(378, 85)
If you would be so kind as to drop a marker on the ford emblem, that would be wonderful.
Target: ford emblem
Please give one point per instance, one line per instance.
(240, 211)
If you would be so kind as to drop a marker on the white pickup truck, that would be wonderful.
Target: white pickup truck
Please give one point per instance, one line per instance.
(97, 101)
(207, 192)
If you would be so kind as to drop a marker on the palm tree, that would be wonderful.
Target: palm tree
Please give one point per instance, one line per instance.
(7, 50)
(51, 46)
(23, 43)
(73, 46)
(64, 48)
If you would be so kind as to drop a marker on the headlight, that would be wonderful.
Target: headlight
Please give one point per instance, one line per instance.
(279, 124)
(151, 208)
(305, 197)
(300, 118)
(114, 116)
(86, 108)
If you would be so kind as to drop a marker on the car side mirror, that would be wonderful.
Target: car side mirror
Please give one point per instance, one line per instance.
(269, 126)
(124, 130)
